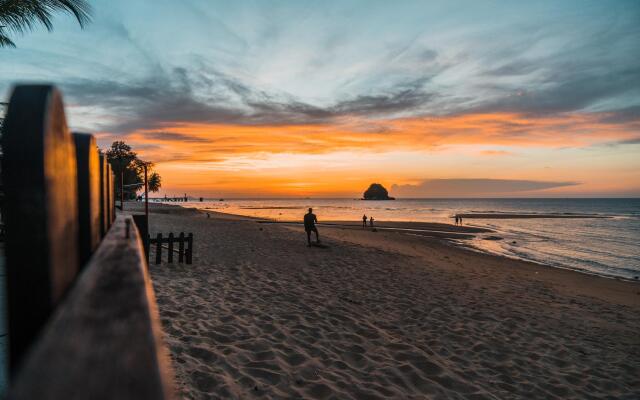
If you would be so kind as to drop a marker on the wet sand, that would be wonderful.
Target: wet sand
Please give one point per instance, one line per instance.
(527, 216)
(432, 229)
(386, 314)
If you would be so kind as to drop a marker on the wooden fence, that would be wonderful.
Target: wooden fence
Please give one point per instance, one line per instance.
(185, 254)
(81, 311)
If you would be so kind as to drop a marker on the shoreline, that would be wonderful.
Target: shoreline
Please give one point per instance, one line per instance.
(447, 238)
(383, 315)
(452, 242)
(567, 277)
(448, 242)
(530, 216)
(549, 265)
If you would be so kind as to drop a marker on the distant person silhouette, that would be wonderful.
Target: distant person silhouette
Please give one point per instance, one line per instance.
(457, 218)
(364, 221)
(310, 222)
(371, 222)
(460, 219)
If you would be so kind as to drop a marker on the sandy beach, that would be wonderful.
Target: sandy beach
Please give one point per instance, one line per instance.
(386, 314)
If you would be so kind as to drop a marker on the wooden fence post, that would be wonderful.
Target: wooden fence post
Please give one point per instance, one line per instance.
(170, 256)
(88, 182)
(105, 340)
(39, 179)
(181, 248)
(190, 248)
(112, 195)
(149, 254)
(159, 248)
(142, 223)
(109, 194)
(104, 197)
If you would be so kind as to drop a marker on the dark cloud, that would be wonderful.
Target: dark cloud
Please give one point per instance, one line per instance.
(271, 111)
(211, 97)
(152, 103)
(624, 115)
(566, 93)
(630, 141)
(173, 136)
(599, 67)
(556, 84)
(615, 143)
(513, 68)
(473, 187)
(406, 98)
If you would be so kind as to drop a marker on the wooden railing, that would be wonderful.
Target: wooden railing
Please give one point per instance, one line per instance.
(82, 316)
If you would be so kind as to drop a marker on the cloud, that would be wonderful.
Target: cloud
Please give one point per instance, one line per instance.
(513, 68)
(269, 86)
(474, 187)
(413, 80)
(208, 96)
(567, 93)
(211, 97)
(627, 115)
(152, 103)
(402, 98)
(204, 142)
(635, 140)
(173, 136)
(622, 142)
(495, 153)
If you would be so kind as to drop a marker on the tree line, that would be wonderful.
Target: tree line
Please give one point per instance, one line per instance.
(130, 169)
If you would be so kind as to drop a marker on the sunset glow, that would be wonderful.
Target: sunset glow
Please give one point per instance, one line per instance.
(338, 158)
(300, 100)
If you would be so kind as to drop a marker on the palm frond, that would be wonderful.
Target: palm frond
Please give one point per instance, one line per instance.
(23, 15)
(79, 8)
(5, 41)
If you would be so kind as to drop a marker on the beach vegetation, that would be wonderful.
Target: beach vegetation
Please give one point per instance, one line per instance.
(129, 168)
(155, 182)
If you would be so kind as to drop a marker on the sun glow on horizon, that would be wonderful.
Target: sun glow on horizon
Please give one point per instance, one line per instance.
(276, 98)
(342, 157)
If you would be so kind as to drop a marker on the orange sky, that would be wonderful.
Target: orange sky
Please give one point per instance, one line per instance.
(341, 158)
(302, 98)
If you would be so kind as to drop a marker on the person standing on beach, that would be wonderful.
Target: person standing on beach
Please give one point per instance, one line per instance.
(364, 221)
(456, 219)
(371, 222)
(310, 222)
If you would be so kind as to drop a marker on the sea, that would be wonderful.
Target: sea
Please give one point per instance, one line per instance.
(603, 246)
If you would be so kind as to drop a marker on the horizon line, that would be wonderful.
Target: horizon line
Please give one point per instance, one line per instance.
(218, 198)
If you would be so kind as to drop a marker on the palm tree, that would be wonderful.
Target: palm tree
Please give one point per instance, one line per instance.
(155, 182)
(18, 16)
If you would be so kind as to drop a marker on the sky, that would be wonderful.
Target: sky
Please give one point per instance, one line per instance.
(300, 98)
